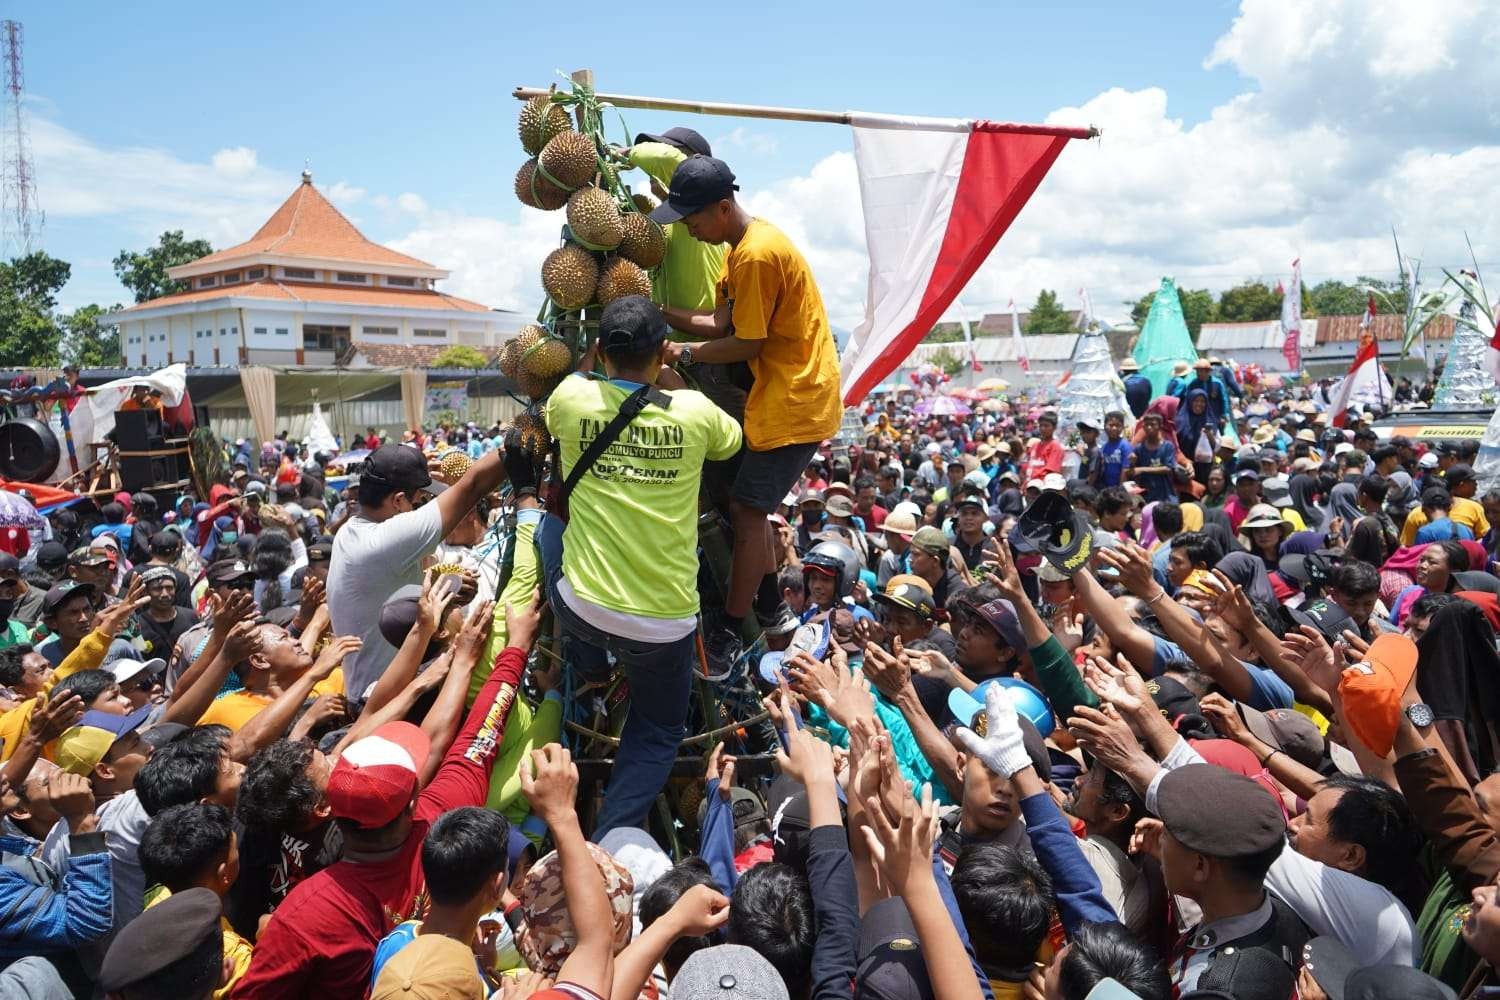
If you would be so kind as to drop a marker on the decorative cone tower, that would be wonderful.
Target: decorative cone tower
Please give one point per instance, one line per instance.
(1466, 384)
(1092, 388)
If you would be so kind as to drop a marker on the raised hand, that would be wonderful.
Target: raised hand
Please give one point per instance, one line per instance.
(720, 766)
(932, 663)
(1146, 839)
(1116, 683)
(73, 798)
(1001, 748)
(890, 674)
(1231, 603)
(522, 986)
(1134, 566)
(550, 783)
(1106, 736)
(432, 606)
(334, 654)
(903, 848)
(51, 717)
(113, 618)
(522, 623)
(808, 760)
(1306, 647)
(242, 641)
(1225, 718)
(232, 610)
(475, 631)
(699, 911)
(1006, 577)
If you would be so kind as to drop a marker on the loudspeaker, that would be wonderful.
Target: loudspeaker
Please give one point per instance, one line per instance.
(137, 474)
(138, 430)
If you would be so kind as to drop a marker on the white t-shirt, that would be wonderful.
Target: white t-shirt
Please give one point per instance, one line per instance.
(370, 561)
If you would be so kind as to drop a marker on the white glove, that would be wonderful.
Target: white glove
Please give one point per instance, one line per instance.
(1001, 748)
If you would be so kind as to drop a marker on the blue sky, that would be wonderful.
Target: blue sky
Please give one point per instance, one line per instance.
(151, 115)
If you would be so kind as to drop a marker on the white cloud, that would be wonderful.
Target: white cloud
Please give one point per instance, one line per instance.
(237, 162)
(410, 203)
(345, 194)
(742, 138)
(494, 261)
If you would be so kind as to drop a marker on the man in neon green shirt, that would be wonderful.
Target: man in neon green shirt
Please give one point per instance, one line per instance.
(622, 574)
(688, 274)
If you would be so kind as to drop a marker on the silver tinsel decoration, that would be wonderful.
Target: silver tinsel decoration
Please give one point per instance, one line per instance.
(1093, 389)
(1465, 384)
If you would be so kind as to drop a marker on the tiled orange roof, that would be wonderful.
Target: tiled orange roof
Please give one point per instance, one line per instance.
(1387, 326)
(291, 291)
(410, 355)
(307, 225)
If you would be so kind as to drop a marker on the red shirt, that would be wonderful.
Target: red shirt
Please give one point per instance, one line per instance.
(322, 937)
(875, 518)
(1236, 511)
(1044, 457)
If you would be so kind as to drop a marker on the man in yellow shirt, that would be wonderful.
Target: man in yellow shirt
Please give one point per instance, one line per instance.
(1466, 510)
(281, 674)
(767, 312)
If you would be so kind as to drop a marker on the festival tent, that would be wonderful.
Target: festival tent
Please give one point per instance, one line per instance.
(1164, 339)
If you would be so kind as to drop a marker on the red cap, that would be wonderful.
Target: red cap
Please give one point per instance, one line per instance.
(376, 777)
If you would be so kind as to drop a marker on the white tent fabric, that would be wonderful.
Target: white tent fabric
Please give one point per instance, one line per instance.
(94, 417)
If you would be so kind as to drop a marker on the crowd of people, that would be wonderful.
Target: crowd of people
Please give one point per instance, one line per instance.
(1201, 702)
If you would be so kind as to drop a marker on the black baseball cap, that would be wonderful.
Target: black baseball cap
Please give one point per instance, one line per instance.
(61, 592)
(228, 570)
(1457, 474)
(1060, 533)
(685, 139)
(52, 556)
(398, 467)
(698, 182)
(633, 324)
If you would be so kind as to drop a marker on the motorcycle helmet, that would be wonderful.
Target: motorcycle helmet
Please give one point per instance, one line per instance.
(837, 558)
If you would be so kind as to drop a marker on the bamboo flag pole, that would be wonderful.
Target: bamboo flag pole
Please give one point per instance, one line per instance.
(864, 119)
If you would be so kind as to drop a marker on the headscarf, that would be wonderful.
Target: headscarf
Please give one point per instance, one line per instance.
(1148, 525)
(221, 524)
(1367, 542)
(1458, 674)
(1249, 572)
(1216, 525)
(1401, 496)
(1479, 557)
(1192, 517)
(1303, 491)
(1166, 408)
(1343, 502)
(1190, 424)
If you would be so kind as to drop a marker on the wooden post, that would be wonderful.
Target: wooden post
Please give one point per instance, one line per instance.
(585, 77)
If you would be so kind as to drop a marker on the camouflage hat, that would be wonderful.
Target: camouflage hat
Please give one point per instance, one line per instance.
(548, 938)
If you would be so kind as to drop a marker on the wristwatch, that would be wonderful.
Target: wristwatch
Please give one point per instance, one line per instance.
(1420, 715)
(686, 355)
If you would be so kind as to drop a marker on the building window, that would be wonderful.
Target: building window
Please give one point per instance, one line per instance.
(325, 338)
(260, 331)
(282, 331)
(234, 331)
(223, 332)
(232, 279)
(353, 279)
(255, 274)
(208, 282)
(379, 331)
(401, 282)
(435, 334)
(298, 273)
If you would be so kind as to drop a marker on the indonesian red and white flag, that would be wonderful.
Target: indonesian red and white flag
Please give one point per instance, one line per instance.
(1366, 383)
(938, 193)
(1291, 319)
(1369, 319)
(1017, 341)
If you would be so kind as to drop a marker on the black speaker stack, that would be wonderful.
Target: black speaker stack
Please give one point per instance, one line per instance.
(141, 430)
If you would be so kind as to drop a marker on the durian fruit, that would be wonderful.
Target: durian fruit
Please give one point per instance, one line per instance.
(569, 275)
(644, 242)
(547, 358)
(510, 359)
(532, 431)
(644, 203)
(535, 387)
(622, 278)
(537, 191)
(569, 159)
(541, 120)
(594, 219)
(447, 568)
(454, 465)
(529, 336)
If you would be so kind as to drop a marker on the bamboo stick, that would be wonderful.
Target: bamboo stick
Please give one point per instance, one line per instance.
(808, 115)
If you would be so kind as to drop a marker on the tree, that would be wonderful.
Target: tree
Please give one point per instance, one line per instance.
(1251, 302)
(949, 360)
(145, 273)
(88, 343)
(1049, 317)
(460, 356)
(1335, 298)
(944, 333)
(29, 333)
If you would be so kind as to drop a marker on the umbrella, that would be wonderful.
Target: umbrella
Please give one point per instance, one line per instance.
(994, 385)
(970, 395)
(358, 455)
(942, 406)
(992, 406)
(17, 512)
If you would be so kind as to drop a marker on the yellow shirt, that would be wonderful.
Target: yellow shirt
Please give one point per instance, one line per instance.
(772, 296)
(236, 949)
(686, 276)
(239, 707)
(87, 655)
(1465, 511)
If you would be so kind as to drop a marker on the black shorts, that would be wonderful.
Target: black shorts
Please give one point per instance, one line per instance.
(765, 477)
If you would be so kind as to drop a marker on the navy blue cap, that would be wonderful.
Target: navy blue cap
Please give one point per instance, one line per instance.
(698, 182)
(685, 139)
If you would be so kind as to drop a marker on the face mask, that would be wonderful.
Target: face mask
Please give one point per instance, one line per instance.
(229, 537)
